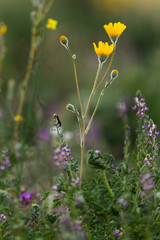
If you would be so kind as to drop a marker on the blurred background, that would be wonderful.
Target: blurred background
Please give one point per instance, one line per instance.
(137, 60)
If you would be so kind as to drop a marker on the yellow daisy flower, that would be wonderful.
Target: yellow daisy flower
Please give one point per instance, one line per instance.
(51, 24)
(18, 118)
(103, 50)
(114, 30)
(3, 29)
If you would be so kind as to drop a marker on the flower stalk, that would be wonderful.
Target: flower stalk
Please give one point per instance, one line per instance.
(39, 18)
(103, 51)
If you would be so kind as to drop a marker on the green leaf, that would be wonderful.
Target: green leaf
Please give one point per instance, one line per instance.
(45, 196)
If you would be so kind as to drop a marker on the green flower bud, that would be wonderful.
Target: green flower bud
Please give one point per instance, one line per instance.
(70, 108)
(114, 74)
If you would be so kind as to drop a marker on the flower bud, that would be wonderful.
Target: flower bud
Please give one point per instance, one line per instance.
(74, 56)
(70, 108)
(64, 41)
(114, 74)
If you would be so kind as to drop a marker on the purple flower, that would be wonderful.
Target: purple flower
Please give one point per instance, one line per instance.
(98, 151)
(77, 181)
(5, 160)
(121, 108)
(140, 106)
(116, 234)
(61, 156)
(147, 182)
(76, 226)
(3, 218)
(118, 168)
(25, 198)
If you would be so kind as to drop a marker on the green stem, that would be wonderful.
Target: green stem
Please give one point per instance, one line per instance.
(93, 89)
(90, 121)
(100, 96)
(109, 228)
(112, 57)
(30, 108)
(77, 86)
(107, 184)
(76, 78)
(88, 231)
(1, 237)
(84, 122)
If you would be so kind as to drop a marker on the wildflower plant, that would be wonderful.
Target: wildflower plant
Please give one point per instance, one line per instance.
(103, 51)
(115, 199)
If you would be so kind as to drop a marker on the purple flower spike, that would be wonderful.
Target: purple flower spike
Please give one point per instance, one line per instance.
(116, 234)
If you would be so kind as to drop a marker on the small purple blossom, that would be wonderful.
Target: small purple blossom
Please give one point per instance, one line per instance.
(140, 106)
(26, 198)
(77, 226)
(77, 181)
(61, 156)
(147, 182)
(5, 160)
(152, 132)
(3, 218)
(116, 234)
(118, 168)
(98, 151)
(121, 108)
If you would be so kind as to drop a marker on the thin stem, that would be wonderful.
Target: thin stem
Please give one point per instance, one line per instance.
(35, 78)
(93, 89)
(109, 228)
(39, 19)
(26, 80)
(84, 121)
(90, 121)
(47, 8)
(107, 184)
(77, 86)
(112, 57)
(100, 96)
(88, 231)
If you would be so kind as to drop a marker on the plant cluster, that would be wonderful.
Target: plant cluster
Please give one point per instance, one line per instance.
(112, 199)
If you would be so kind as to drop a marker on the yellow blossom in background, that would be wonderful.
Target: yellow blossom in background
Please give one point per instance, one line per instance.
(114, 30)
(51, 24)
(3, 29)
(18, 118)
(103, 50)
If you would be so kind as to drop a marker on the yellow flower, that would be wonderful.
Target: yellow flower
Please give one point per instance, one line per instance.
(3, 29)
(51, 24)
(103, 50)
(114, 30)
(18, 118)
(64, 40)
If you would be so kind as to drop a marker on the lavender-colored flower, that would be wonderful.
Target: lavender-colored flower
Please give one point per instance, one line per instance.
(77, 181)
(147, 182)
(44, 134)
(26, 198)
(118, 168)
(152, 132)
(5, 160)
(116, 234)
(77, 226)
(98, 151)
(61, 156)
(121, 108)
(3, 218)
(140, 106)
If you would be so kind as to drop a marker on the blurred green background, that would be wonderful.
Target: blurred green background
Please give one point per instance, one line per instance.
(137, 59)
